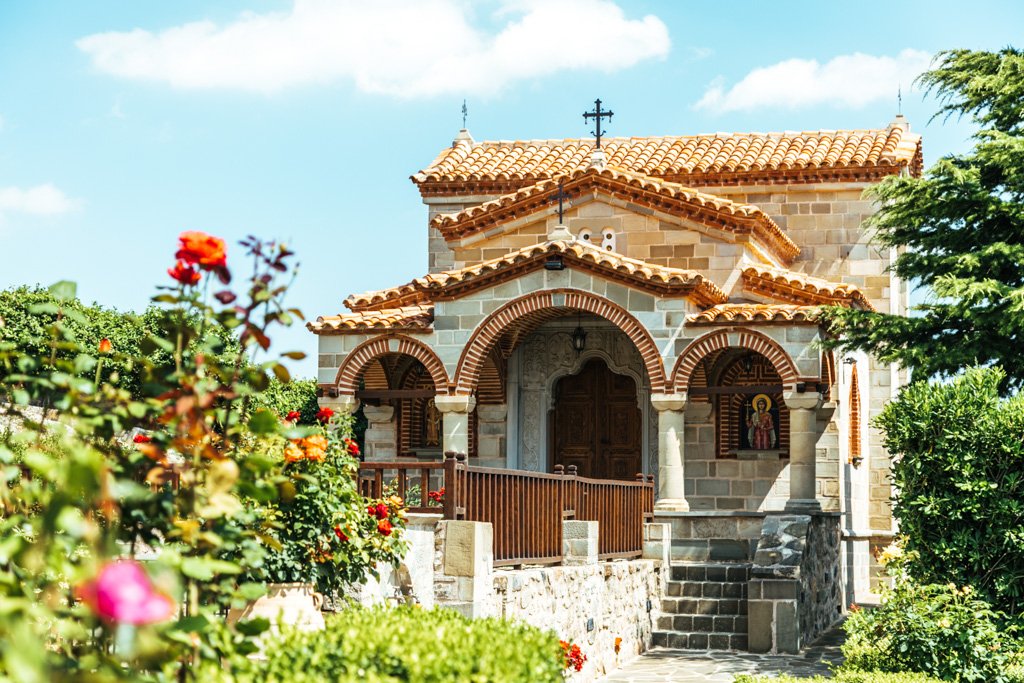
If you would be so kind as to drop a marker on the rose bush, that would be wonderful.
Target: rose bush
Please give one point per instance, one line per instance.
(131, 514)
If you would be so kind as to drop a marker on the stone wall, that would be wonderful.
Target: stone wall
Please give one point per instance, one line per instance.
(821, 586)
(590, 605)
(413, 579)
(795, 590)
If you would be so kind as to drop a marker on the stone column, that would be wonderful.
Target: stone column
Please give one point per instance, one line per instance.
(344, 404)
(491, 429)
(803, 440)
(671, 496)
(381, 433)
(455, 412)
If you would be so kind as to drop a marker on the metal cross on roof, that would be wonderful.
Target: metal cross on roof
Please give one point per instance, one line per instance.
(560, 196)
(597, 115)
(465, 112)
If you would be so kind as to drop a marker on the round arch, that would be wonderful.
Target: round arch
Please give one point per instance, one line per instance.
(718, 340)
(347, 379)
(487, 332)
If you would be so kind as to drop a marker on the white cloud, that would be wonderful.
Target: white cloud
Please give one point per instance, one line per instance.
(847, 81)
(43, 200)
(404, 48)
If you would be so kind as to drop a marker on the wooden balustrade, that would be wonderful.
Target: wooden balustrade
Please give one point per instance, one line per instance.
(525, 509)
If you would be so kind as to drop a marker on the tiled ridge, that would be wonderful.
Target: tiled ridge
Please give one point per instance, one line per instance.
(704, 608)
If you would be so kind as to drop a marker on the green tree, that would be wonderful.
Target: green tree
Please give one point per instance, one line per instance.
(959, 230)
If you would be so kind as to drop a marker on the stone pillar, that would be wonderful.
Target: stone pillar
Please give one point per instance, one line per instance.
(381, 433)
(465, 581)
(579, 542)
(803, 440)
(491, 427)
(343, 405)
(455, 412)
(671, 496)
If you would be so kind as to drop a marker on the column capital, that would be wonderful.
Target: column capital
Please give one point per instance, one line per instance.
(454, 404)
(810, 400)
(674, 402)
(345, 403)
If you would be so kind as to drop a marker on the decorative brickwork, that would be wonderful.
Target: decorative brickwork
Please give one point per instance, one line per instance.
(347, 380)
(746, 339)
(509, 315)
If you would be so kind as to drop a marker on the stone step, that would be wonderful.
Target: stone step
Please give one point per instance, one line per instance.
(686, 623)
(706, 589)
(700, 641)
(729, 607)
(710, 571)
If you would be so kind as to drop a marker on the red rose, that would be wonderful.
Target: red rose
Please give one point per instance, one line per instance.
(141, 438)
(340, 534)
(184, 273)
(381, 511)
(384, 527)
(324, 415)
(352, 446)
(293, 416)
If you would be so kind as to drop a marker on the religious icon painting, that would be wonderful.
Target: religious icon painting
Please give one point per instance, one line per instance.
(759, 424)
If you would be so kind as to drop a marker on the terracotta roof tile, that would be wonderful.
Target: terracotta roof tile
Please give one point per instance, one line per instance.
(406, 318)
(755, 313)
(866, 154)
(716, 212)
(786, 285)
(660, 279)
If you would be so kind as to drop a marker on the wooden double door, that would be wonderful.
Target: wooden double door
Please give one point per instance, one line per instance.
(595, 423)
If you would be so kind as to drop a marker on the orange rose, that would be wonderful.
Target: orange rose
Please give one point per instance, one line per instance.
(384, 527)
(200, 249)
(293, 453)
(105, 346)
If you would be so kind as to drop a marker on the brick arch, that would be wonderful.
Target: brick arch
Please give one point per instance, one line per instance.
(355, 362)
(715, 341)
(526, 307)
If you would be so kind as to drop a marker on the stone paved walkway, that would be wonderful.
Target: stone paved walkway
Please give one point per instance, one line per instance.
(688, 666)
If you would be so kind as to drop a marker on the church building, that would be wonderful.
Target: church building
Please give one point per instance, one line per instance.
(647, 305)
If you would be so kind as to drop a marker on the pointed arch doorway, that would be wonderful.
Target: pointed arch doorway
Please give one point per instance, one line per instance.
(596, 423)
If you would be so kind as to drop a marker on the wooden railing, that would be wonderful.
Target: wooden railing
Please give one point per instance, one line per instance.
(525, 509)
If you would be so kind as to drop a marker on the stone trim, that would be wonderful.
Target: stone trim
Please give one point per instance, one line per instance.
(355, 362)
(487, 333)
(719, 340)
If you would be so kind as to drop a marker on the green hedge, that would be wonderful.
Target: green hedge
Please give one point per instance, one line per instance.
(843, 677)
(405, 644)
(958, 470)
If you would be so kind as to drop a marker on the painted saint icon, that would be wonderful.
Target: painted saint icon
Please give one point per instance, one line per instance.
(761, 423)
(431, 424)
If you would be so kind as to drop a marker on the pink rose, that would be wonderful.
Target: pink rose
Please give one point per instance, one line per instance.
(122, 593)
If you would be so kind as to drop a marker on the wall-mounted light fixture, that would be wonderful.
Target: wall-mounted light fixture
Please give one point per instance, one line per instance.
(748, 363)
(554, 263)
(579, 337)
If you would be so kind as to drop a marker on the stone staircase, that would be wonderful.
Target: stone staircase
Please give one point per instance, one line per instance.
(705, 607)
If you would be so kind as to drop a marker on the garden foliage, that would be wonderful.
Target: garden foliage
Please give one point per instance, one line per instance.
(404, 644)
(180, 468)
(844, 677)
(959, 231)
(945, 631)
(958, 471)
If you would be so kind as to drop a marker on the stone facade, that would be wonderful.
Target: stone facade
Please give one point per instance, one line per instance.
(693, 266)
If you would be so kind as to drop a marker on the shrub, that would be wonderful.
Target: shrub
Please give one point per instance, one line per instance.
(958, 469)
(844, 677)
(404, 644)
(942, 630)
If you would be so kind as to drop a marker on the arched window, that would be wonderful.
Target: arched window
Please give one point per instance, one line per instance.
(855, 436)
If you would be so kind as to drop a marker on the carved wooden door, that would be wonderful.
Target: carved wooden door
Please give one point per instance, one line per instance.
(596, 423)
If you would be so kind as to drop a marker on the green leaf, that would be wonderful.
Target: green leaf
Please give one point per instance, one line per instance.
(205, 568)
(264, 422)
(65, 290)
(253, 627)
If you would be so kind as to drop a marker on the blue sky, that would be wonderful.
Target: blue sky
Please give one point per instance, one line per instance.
(124, 123)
